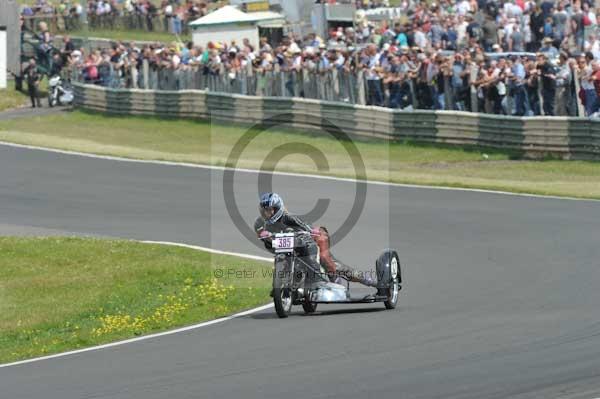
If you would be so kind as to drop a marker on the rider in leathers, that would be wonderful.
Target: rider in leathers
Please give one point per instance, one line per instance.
(274, 218)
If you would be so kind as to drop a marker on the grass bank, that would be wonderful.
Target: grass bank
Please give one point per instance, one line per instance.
(203, 143)
(58, 294)
(10, 98)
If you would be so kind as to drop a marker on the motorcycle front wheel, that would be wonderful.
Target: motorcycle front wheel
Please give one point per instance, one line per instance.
(282, 298)
(282, 292)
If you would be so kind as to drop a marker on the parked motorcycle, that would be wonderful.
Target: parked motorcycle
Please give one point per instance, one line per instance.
(59, 92)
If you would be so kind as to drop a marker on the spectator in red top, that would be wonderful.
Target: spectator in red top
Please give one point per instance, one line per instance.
(596, 77)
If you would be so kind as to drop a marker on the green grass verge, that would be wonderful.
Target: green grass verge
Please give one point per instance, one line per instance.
(203, 143)
(58, 294)
(10, 98)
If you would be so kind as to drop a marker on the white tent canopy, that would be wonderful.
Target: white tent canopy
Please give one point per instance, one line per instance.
(231, 15)
(230, 24)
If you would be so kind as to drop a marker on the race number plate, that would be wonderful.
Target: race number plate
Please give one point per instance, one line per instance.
(283, 243)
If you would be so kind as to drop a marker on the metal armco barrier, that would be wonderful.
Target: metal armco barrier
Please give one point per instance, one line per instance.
(564, 137)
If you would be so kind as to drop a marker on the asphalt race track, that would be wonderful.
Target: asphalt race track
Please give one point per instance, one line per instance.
(501, 295)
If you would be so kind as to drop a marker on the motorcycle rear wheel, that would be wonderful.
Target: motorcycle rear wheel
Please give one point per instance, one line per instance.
(309, 307)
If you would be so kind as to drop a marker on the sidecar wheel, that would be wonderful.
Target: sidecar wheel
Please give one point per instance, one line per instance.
(389, 269)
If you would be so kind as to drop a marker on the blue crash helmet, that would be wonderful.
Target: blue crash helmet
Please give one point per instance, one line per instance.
(274, 201)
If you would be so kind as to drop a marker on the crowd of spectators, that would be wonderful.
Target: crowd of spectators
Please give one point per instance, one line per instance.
(513, 57)
(360, 4)
(151, 15)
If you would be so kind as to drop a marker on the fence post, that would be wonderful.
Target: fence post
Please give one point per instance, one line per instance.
(145, 71)
(306, 84)
(249, 79)
(297, 84)
(579, 104)
(540, 96)
(282, 80)
(154, 79)
(448, 94)
(134, 76)
(321, 92)
(473, 78)
(413, 94)
(352, 87)
(335, 84)
(223, 87)
(360, 82)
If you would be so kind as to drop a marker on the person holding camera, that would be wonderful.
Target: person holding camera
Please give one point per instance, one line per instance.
(33, 81)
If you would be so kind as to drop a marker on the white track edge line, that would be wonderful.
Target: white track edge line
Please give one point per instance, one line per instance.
(164, 333)
(210, 250)
(291, 174)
